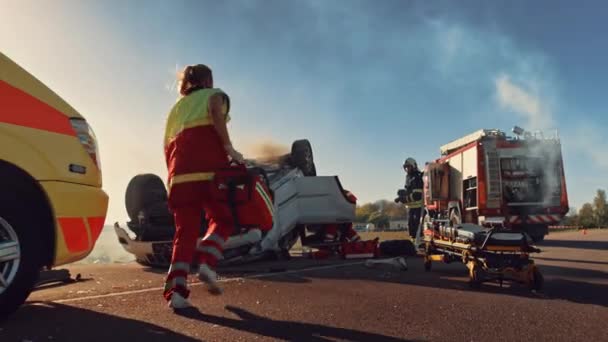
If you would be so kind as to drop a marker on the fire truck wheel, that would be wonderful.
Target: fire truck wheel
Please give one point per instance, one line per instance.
(302, 157)
(142, 192)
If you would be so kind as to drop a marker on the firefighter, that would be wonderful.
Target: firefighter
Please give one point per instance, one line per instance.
(411, 195)
(196, 146)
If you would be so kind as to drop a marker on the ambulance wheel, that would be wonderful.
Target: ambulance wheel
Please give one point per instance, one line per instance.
(538, 281)
(302, 157)
(20, 250)
(143, 192)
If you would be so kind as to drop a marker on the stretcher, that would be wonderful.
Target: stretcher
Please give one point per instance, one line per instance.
(490, 254)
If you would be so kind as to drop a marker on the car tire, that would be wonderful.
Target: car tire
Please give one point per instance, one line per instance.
(144, 191)
(302, 157)
(20, 275)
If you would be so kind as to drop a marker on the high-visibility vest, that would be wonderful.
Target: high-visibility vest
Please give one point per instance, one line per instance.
(193, 148)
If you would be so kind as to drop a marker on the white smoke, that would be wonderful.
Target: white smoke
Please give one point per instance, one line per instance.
(529, 105)
(525, 103)
(108, 250)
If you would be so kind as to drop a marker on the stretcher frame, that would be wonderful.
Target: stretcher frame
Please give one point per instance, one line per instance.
(486, 262)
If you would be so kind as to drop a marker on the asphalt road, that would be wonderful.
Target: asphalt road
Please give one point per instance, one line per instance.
(339, 300)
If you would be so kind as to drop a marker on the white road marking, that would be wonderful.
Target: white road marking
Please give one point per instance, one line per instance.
(224, 280)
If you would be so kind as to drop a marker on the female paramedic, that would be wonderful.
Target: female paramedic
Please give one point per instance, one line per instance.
(196, 146)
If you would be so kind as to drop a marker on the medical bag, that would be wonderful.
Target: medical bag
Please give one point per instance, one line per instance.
(247, 194)
(360, 249)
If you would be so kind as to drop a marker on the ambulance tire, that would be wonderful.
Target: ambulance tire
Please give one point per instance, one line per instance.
(144, 191)
(302, 157)
(18, 220)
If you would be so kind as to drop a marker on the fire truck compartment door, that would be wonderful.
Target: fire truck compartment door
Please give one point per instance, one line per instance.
(439, 181)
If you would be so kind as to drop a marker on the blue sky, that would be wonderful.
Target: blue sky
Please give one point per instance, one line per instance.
(369, 83)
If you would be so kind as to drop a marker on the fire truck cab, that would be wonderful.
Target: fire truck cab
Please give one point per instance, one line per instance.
(489, 178)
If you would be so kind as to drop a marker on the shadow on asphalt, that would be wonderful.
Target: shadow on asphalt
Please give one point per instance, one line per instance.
(591, 262)
(575, 244)
(57, 322)
(454, 277)
(285, 330)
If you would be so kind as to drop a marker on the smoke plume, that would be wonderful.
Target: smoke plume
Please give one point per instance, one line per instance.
(528, 105)
(531, 107)
(266, 151)
(108, 250)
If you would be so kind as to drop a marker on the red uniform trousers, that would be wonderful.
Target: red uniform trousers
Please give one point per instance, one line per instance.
(188, 220)
(346, 233)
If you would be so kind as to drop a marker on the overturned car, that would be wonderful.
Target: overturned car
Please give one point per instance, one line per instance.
(301, 200)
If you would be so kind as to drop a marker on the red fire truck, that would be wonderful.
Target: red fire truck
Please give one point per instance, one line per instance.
(489, 178)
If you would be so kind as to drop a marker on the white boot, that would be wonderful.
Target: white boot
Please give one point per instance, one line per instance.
(178, 302)
(209, 277)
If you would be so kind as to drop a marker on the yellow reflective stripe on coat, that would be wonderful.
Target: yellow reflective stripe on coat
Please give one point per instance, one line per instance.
(415, 204)
(192, 111)
(191, 177)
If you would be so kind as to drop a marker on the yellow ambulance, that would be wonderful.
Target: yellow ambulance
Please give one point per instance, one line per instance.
(52, 205)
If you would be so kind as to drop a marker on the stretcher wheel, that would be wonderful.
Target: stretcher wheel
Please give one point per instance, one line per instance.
(538, 280)
(475, 277)
(427, 265)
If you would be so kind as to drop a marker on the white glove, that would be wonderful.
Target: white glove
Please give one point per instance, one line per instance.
(234, 154)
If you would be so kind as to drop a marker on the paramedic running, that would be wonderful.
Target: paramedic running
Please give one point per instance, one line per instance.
(411, 196)
(196, 146)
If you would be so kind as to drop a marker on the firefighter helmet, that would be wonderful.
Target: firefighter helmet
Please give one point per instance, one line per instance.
(410, 162)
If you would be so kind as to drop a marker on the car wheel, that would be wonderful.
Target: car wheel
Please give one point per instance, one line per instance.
(20, 248)
(144, 191)
(302, 157)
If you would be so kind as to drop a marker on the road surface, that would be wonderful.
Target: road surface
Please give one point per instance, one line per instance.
(306, 300)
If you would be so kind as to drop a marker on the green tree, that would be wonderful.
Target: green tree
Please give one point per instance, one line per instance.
(396, 211)
(572, 219)
(379, 219)
(600, 209)
(585, 214)
(363, 212)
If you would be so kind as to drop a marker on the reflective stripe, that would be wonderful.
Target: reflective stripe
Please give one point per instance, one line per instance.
(21, 109)
(74, 233)
(179, 266)
(178, 281)
(210, 250)
(267, 200)
(411, 203)
(191, 177)
(215, 238)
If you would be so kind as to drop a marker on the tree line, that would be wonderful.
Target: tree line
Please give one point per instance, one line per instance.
(380, 213)
(591, 214)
